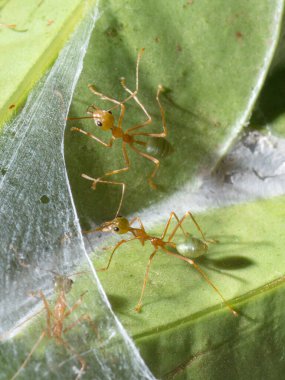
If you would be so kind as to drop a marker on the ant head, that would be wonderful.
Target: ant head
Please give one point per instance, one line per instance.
(119, 225)
(62, 283)
(103, 119)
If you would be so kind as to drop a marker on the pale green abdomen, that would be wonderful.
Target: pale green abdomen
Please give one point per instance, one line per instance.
(192, 247)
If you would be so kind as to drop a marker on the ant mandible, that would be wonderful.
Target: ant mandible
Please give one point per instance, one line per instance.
(192, 246)
(106, 121)
(55, 318)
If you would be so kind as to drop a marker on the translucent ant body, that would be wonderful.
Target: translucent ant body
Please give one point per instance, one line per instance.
(192, 247)
(55, 318)
(105, 120)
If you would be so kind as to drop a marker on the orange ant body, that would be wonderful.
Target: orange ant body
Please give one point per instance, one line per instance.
(55, 321)
(193, 247)
(106, 121)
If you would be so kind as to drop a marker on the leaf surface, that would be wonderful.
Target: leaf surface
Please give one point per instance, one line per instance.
(211, 57)
(31, 35)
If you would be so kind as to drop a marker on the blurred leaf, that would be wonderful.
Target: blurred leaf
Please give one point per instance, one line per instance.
(31, 35)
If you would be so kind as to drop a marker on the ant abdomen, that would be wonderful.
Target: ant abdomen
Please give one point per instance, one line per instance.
(158, 147)
(192, 247)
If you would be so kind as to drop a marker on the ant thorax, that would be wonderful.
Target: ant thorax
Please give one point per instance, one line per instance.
(141, 234)
(117, 132)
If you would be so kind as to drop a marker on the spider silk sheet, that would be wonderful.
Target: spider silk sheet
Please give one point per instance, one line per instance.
(40, 234)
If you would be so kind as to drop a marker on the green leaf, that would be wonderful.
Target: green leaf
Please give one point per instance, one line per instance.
(212, 58)
(31, 35)
(183, 329)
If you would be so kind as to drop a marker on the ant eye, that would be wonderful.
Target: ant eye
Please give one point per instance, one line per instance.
(116, 229)
(98, 123)
(110, 112)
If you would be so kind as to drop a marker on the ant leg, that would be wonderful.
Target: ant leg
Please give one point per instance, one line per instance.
(162, 134)
(95, 181)
(101, 96)
(139, 304)
(108, 145)
(90, 109)
(133, 93)
(137, 219)
(84, 317)
(203, 274)
(122, 197)
(172, 214)
(188, 213)
(99, 179)
(127, 162)
(43, 334)
(75, 305)
(137, 69)
(154, 160)
(149, 119)
(132, 230)
(48, 310)
(114, 250)
(69, 348)
(122, 80)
